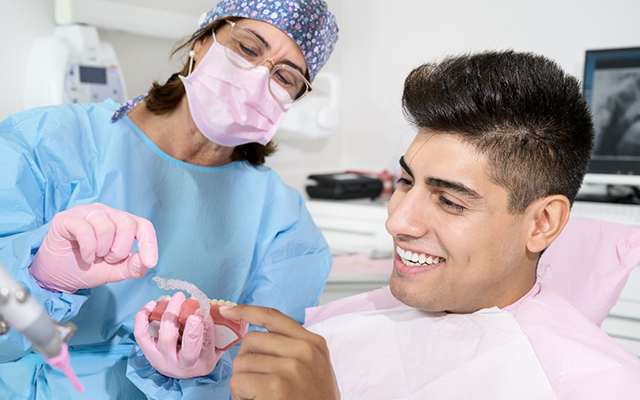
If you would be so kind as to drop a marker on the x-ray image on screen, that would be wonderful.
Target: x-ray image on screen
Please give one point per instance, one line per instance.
(612, 91)
(615, 104)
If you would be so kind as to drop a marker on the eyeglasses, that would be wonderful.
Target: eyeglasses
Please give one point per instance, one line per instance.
(245, 50)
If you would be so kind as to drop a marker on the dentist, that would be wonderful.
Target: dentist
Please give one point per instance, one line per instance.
(97, 199)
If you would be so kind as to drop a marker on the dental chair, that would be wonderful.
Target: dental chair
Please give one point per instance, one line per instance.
(593, 264)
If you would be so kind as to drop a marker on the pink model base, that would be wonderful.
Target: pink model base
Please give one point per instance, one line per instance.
(228, 332)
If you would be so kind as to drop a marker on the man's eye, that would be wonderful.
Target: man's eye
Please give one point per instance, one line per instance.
(404, 182)
(451, 205)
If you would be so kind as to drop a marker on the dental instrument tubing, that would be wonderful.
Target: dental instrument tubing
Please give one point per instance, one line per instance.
(171, 284)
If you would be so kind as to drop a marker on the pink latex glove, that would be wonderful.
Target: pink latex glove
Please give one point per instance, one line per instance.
(88, 246)
(195, 356)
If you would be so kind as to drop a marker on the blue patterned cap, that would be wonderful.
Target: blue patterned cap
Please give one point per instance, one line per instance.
(308, 22)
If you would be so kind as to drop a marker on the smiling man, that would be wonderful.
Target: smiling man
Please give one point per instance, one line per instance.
(487, 185)
(447, 210)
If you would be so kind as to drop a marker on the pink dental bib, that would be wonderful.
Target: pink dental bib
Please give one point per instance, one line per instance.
(404, 353)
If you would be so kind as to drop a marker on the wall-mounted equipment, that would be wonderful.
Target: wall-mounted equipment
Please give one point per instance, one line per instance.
(317, 115)
(72, 66)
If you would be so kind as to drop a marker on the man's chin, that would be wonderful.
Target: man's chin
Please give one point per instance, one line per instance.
(412, 297)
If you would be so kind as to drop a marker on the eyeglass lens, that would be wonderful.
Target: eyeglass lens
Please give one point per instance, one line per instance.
(286, 84)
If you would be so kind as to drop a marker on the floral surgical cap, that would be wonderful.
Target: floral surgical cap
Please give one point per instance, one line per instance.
(308, 22)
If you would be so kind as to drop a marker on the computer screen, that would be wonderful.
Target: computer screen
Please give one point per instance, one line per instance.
(612, 90)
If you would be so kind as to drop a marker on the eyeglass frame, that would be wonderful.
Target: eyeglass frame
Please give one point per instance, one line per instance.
(275, 66)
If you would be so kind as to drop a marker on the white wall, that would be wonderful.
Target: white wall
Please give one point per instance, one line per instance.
(143, 59)
(380, 42)
(20, 23)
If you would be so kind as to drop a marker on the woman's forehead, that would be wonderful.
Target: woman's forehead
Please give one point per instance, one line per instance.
(275, 38)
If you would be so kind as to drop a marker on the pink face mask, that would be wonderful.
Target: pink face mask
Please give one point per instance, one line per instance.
(232, 106)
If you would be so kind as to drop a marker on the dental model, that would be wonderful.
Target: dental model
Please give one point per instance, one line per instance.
(228, 332)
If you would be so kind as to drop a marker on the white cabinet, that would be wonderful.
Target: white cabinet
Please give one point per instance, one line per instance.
(361, 247)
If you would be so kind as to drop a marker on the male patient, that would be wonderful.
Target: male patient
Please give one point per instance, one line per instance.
(503, 144)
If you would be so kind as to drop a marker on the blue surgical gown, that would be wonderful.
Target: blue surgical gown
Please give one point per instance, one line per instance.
(236, 231)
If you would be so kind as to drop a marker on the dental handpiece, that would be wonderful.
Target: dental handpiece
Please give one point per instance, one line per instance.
(22, 311)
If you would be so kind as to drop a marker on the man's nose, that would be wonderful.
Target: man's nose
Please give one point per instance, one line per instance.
(408, 215)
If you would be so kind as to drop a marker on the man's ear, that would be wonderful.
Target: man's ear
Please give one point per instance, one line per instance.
(550, 215)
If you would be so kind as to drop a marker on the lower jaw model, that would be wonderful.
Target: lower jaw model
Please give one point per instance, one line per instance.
(227, 332)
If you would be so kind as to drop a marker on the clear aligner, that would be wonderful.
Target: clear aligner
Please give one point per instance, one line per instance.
(171, 284)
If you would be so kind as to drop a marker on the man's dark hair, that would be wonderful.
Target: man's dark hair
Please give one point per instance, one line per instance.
(520, 110)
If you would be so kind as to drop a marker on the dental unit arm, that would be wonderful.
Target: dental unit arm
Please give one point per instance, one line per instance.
(20, 310)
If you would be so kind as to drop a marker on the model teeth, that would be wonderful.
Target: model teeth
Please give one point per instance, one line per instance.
(166, 297)
(222, 302)
(413, 259)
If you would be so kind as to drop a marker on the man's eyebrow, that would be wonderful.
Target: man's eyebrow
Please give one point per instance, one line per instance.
(268, 47)
(454, 186)
(404, 166)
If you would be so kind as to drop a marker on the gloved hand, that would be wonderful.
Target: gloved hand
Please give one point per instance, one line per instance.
(88, 246)
(196, 356)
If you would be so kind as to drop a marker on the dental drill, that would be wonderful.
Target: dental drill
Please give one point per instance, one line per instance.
(20, 310)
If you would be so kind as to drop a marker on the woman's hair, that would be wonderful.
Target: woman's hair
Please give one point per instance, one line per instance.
(164, 98)
(520, 110)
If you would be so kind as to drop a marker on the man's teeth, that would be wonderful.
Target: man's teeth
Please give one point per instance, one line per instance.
(409, 258)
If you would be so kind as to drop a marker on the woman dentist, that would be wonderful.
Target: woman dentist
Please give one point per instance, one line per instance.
(98, 199)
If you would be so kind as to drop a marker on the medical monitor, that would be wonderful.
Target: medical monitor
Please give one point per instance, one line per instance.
(612, 91)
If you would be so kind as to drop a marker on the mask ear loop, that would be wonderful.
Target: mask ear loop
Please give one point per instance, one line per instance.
(191, 54)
